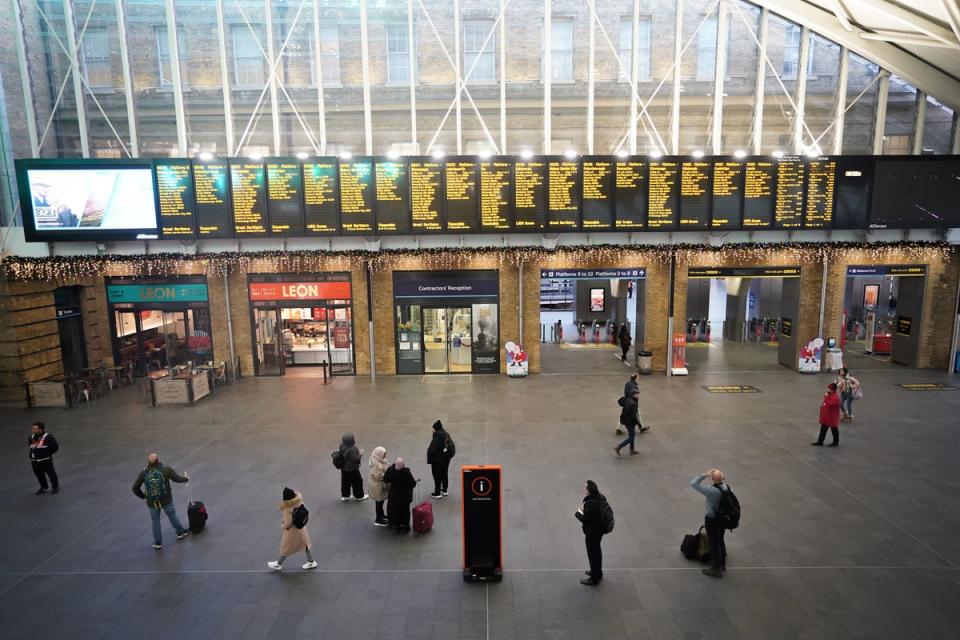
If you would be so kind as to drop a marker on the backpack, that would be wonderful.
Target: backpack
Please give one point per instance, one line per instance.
(729, 510)
(338, 459)
(155, 484)
(606, 518)
(622, 401)
(300, 516)
(449, 448)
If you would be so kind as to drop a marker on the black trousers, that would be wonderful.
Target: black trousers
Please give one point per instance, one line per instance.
(624, 348)
(351, 480)
(398, 515)
(44, 468)
(595, 555)
(718, 548)
(441, 480)
(379, 506)
(823, 434)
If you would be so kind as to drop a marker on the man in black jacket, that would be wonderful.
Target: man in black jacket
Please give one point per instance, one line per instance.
(42, 447)
(438, 457)
(629, 418)
(630, 388)
(155, 482)
(399, 496)
(590, 514)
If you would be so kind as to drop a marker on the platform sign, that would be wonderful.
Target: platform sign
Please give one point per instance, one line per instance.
(482, 526)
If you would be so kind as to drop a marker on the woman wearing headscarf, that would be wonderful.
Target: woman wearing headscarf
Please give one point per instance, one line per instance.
(399, 495)
(376, 486)
(293, 539)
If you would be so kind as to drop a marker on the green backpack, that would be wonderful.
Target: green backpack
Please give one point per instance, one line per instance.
(155, 484)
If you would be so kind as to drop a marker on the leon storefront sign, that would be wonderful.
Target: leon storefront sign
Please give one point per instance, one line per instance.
(299, 290)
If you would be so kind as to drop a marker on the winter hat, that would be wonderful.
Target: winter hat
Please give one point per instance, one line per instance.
(832, 386)
(288, 493)
(592, 488)
(437, 425)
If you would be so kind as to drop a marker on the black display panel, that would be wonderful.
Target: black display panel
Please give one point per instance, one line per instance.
(597, 189)
(759, 193)
(664, 189)
(393, 196)
(426, 195)
(175, 198)
(530, 194)
(461, 179)
(695, 194)
(482, 527)
(321, 197)
(211, 191)
(563, 182)
(630, 194)
(821, 194)
(248, 187)
(285, 196)
(916, 193)
(788, 213)
(727, 206)
(854, 181)
(357, 194)
(496, 194)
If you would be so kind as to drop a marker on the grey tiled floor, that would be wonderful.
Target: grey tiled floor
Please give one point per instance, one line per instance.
(855, 542)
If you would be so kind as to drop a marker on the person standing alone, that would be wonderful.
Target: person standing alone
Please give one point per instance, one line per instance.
(350, 477)
(439, 453)
(591, 514)
(42, 447)
(711, 520)
(829, 416)
(156, 492)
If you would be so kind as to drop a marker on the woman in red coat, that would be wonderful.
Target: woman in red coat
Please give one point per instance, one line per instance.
(829, 416)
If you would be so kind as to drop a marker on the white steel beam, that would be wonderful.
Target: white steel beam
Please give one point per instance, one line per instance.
(955, 142)
(127, 78)
(908, 38)
(953, 12)
(675, 100)
(719, 75)
(503, 77)
(456, 73)
(919, 122)
(800, 106)
(271, 57)
(547, 73)
(591, 45)
(880, 113)
(840, 11)
(412, 77)
(365, 71)
(634, 72)
(225, 81)
(174, 45)
(318, 67)
(74, 53)
(760, 83)
(840, 104)
(25, 85)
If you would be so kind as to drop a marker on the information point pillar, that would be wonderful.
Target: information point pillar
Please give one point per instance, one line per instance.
(482, 523)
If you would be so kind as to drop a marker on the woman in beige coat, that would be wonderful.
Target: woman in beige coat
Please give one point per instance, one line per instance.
(377, 488)
(293, 539)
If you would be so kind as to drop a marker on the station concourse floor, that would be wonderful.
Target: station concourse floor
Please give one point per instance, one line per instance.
(854, 542)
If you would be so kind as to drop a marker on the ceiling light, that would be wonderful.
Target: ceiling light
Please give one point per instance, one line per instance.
(255, 155)
(393, 154)
(526, 154)
(656, 153)
(206, 156)
(346, 155)
(622, 153)
(813, 152)
(697, 153)
(739, 153)
(437, 154)
(570, 154)
(302, 155)
(777, 153)
(484, 155)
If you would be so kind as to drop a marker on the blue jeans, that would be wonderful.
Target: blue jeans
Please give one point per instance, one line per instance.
(846, 404)
(631, 434)
(171, 512)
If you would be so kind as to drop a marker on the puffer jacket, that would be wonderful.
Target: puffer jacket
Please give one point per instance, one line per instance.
(351, 454)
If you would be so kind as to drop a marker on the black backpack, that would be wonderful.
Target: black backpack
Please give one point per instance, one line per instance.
(449, 448)
(606, 518)
(338, 459)
(300, 517)
(729, 509)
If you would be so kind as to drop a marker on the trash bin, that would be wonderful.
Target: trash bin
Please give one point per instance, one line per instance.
(644, 362)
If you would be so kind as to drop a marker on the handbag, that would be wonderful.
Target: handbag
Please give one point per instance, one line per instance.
(857, 393)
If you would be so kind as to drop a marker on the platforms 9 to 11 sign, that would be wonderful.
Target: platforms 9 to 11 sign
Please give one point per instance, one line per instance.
(379, 196)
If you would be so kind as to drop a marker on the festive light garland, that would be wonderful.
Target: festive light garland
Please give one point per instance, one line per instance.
(73, 268)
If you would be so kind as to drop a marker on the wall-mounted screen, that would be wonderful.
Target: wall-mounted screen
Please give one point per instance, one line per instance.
(596, 300)
(916, 193)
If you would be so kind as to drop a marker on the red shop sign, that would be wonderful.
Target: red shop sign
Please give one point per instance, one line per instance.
(299, 290)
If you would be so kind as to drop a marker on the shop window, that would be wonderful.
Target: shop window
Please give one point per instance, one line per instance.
(96, 59)
(626, 48)
(483, 59)
(398, 54)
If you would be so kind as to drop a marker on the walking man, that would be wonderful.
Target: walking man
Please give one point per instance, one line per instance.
(155, 483)
(712, 523)
(350, 477)
(624, 341)
(591, 515)
(631, 387)
(630, 418)
(439, 453)
(42, 447)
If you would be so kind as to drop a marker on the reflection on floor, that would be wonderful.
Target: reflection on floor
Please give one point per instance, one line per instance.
(732, 356)
(558, 358)
(304, 372)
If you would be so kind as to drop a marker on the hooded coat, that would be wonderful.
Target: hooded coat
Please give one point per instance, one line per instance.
(435, 452)
(830, 409)
(402, 484)
(351, 454)
(293, 539)
(376, 487)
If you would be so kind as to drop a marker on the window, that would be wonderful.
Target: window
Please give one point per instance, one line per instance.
(96, 58)
(561, 50)
(164, 72)
(475, 32)
(707, 49)
(896, 145)
(248, 60)
(643, 48)
(791, 52)
(398, 54)
(329, 58)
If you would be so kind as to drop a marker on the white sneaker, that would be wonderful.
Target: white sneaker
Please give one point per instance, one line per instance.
(444, 493)
(365, 496)
(310, 565)
(276, 566)
(344, 499)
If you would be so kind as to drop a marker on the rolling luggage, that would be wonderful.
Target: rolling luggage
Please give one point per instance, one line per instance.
(422, 515)
(196, 516)
(696, 546)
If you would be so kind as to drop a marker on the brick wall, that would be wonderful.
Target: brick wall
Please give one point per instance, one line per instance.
(29, 339)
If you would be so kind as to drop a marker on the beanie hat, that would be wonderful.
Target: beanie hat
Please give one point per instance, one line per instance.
(288, 493)
(437, 425)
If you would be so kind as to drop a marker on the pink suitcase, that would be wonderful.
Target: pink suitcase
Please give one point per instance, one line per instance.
(422, 516)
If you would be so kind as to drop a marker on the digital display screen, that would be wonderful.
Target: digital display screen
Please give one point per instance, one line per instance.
(597, 204)
(663, 187)
(789, 209)
(563, 181)
(854, 181)
(727, 206)
(175, 195)
(357, 196)
(211, 190)
(285, 197)
(695, 195)
(530, 194)
(393, 197)
(249, 192)
(821, 194)
(321, 204)
(758, 194)
(630, 195)
(496, 191)
(922, 193)
(426, 195)
(461, 178)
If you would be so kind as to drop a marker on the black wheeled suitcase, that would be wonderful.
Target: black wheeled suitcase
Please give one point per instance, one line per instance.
(196, 516)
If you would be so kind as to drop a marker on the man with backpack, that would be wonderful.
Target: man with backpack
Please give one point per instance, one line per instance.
(596, 515)
(439, 453)
(347, 459)
(722, 513)
(156, 492)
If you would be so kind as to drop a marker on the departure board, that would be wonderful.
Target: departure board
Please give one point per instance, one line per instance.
(393, 196)
(790, 182)
(854, 181)
(426, 195)
(695, 194)
(285, 196)
(563, 182)
(357, 192)
(249, 194)
(211, 191)
(321, 204)
(530, 194)
(461, 177)
(496, 191)
(663, 189)
(821, 190)
(630, 194)
(175, 194)
(597, 205)
(727, 206)
(758, 194)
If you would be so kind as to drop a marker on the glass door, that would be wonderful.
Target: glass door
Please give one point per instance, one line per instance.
(340, 340)
(127, 341)
(268, 360)
(459, 340)
(409, 339)
(435, 340)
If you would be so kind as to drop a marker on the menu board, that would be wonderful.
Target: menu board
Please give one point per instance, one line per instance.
(175, 194)
(393, 197)
(852, 203)
(663, 188)
(357, 196)
(285, 196)
(426, 195)
(460, 194)
(321, 205)
(563, 182)
(727, 205)
(529, 194)
(630, 194)
(211, 192)
(821, 190)
(789, 210)
(695, 195)
(249, 194)
(758, 194)
(597, 194)
(496, 186)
